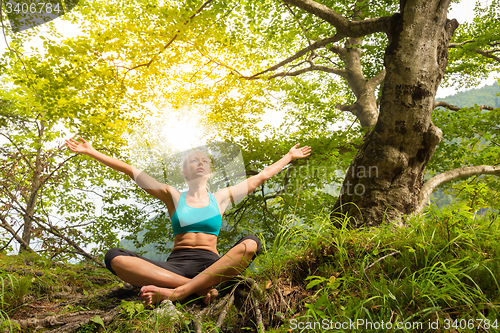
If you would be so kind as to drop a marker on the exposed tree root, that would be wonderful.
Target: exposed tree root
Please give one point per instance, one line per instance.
(232, 290)
(69, 322)
(223, 314)
(258, 314)
(242, 292)
(198, 320)
(122, 291)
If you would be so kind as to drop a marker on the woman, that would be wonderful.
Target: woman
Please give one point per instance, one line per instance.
(194, 265)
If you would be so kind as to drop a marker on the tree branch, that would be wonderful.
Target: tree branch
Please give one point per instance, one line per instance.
(456, 108)
(492, 51)
(51, 229)
(61, 164)
(347, 108)
(445, 177)
(321, 11)
(79, 250)
(304, 30)
(487, 54)
(215, 61)
(316, 45)
(456, 45)
(481, 134)
(7, 227)
(345, 28)
(312, 67)
(171, 39)
(377, 79)
(19, 150)
(339, 50)
(14, 51)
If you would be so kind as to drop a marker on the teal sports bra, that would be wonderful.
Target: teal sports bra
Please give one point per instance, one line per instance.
(189, 219)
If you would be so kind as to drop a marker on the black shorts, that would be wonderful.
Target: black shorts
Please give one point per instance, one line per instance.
(186, 262)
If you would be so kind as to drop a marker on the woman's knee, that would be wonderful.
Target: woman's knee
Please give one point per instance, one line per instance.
(110, 255)
(114, 255)
(253, 242)
(251, 246)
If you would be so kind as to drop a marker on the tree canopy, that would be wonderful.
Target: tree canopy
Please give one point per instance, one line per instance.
(355, 80)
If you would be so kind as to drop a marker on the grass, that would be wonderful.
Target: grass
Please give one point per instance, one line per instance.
(438, 274)
(29, 282)
(441, 269)
(4, 317)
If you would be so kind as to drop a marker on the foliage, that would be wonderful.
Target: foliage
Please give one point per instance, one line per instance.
(476, 54)
(46, 192)
(90, 327)
(29, 278)
(178, 53)
(209, 70)
(4, 280)
(131, 309)
(470, 137)
(440, 268)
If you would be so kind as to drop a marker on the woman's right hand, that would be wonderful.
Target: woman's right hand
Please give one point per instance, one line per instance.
(82, 147)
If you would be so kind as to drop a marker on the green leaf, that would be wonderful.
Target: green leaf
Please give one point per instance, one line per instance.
(98, 320)
(314, 283)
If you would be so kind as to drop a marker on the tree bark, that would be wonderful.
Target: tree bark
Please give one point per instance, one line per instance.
(384, 180)
(365, 108)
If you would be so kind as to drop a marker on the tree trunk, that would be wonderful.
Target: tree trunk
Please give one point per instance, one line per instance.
(384, 180)
(35, 187)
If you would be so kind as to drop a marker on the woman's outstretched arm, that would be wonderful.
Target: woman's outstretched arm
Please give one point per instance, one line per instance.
(249, 185)
(86, 148)
(148, 183)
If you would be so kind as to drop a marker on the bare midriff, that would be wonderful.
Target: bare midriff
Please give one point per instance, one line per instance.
(195, 240)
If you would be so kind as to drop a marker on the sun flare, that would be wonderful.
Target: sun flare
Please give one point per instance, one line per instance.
(175, 131)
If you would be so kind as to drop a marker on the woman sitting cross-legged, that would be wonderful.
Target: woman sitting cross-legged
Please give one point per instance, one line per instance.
(194, 265)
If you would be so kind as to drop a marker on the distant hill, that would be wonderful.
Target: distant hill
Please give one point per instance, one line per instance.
(487, 95)
(150, 250)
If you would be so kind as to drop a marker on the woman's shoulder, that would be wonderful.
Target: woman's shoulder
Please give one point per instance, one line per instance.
(172, 189)
(174, 192)
(222, 195)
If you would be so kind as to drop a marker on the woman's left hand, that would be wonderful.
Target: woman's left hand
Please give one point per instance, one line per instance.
(299, 152)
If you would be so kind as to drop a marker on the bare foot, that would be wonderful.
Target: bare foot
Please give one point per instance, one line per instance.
(154, 295)
(211, 295)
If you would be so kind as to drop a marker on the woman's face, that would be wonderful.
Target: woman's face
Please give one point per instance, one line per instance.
(197, 165)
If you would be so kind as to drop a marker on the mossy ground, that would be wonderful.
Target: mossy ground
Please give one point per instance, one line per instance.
(33, 287)
(441, 270)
